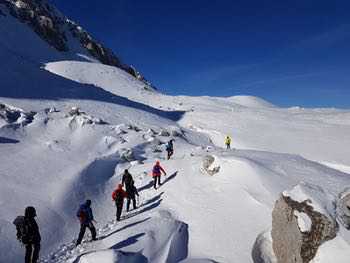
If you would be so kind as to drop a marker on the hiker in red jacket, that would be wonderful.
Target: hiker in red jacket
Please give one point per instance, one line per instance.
(118, 197)
(156, 173)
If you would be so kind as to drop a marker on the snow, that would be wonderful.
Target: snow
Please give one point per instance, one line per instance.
(335, 250)
(251, 102)
(304, 221)
(316, 197)
(57, 161)
(262, 249)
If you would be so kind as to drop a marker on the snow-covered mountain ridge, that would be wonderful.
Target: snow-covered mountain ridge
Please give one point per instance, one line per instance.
(62, 33)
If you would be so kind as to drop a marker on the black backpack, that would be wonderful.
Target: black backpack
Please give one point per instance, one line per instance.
(128, 180)
(23, 233)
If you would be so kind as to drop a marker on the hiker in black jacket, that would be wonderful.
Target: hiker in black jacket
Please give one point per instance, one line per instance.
(130, 188)
(28, 233)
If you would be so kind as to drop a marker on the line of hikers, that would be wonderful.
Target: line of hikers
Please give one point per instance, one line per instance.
(28, 231)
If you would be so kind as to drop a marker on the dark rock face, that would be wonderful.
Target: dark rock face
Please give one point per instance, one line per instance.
(55, 29)
(41, 18)
(291, 243)
(95, 49)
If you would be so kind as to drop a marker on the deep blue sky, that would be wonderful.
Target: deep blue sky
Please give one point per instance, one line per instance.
(290, 52)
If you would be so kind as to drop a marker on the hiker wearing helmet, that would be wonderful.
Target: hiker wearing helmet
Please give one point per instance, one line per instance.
(170, 148)
(130, 188)
(28, 233)
(228, 142)
(156, 173)
(86, 217)
(118, 196)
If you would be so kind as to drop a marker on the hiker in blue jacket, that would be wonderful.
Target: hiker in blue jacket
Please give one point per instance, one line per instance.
(86, 218)
(170, 148)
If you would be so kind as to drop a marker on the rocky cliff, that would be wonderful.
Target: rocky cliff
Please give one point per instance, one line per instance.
(58, 31)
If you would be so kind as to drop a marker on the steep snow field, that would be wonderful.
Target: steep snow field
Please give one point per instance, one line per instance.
(54, 160)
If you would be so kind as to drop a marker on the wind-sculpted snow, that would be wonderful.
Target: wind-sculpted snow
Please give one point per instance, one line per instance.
(158, 238)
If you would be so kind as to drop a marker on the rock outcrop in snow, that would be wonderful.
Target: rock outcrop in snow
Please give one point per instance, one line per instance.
(79, 118)
(302, 220)
(343, 208)
(210, 165)
(14, 117)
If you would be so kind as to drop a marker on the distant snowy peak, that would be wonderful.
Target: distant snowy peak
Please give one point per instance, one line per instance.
(62, 33)
(251, 102)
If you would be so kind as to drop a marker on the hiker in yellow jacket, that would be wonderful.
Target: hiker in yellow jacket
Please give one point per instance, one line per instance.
(228, 142)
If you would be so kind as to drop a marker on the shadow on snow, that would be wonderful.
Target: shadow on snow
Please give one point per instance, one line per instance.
(8, 140)
(35, 83)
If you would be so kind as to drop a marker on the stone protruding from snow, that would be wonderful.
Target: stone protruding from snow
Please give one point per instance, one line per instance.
(14, 117)
(210, 165)
(51, 110)
(134, 128)
(164, 133)
(302, 220)
(127, 155)
(343, 208)
(80, 118)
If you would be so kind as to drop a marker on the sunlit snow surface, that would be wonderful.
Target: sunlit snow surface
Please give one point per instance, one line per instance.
(57, 161)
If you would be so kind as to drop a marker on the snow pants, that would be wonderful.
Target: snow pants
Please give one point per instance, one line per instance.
(170, 153)
(133, 199)
(32, 253)
(156, 179)
(119, 206)
(83, 229)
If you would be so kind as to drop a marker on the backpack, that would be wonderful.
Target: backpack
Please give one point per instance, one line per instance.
(119, 197)
(156, 170)
(82, 215)
(23, 233)
(128, 180)
(169, 147)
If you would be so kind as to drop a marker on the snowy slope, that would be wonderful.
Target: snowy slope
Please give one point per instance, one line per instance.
(54, 161)
(317, 134)
(75, 160)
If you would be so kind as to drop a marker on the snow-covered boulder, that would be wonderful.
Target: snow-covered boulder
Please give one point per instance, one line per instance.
(14, 117)
(177, 132)
(164, 133)
(120, 129)
(75, 111)
(210, 165)
(302, 220)
(50, 110)
(127, 155)
(343, 208)
(79, 118)
(134, 128)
